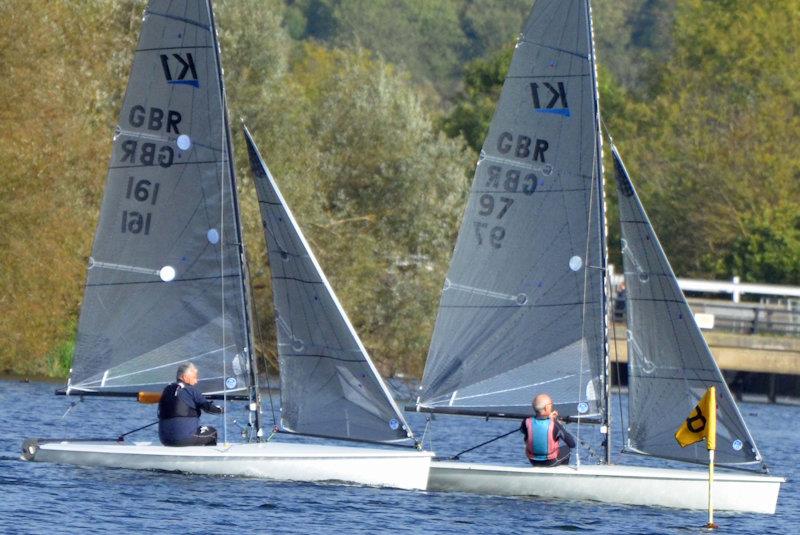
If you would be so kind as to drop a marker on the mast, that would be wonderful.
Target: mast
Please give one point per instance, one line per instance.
(603, 244)
(254, 416)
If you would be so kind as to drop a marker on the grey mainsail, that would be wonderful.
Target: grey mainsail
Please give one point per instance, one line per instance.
(165, 279)
(523, 305)
(670, 366)
(329, 385)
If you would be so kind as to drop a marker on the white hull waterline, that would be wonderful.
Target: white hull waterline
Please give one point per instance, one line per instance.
(623, 485)
(397, 468)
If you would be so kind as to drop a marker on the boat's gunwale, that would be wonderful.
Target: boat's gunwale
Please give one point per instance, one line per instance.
(272, 450)
(605, 470)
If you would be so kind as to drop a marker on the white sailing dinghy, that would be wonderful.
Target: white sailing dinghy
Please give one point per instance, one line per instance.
(524, 306)
(167, 283)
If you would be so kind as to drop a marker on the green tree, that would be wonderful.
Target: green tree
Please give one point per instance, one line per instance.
(424, 37)
(377, 191)
(60, 91)
(769, 247)
(376, 187)
(708, 143)
(474, 107)
(489, 25)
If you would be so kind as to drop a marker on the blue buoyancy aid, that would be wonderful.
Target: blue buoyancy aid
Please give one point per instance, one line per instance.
(540, 445)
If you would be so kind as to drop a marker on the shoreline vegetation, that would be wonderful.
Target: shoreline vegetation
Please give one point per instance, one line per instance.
(370, 114)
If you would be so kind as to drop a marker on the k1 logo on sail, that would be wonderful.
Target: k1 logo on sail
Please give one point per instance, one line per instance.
(557, 95)
(181, 65)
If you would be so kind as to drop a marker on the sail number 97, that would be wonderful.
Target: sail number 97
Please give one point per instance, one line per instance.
(143, 191)
(494, 236)
(495, 208)
(488, 206)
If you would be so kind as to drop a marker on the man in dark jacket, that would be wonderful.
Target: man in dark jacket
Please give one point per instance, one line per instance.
(179, 412)
(544, 434)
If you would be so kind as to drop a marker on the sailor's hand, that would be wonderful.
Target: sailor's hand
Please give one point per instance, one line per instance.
(554, 415)
(214, 409)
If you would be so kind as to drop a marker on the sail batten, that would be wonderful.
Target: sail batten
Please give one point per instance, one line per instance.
(329, 385)
(670, 364)
(522, 302)
(165, 280)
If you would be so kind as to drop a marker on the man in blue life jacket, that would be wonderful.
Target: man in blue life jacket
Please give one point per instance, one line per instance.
(179, 412)
(543, 433)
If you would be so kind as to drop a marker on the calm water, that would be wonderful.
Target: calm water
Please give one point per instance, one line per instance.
(39, 497)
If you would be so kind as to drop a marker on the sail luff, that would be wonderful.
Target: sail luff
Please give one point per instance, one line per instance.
(253, 391)
(670, 364)
(356, 375)
(603, 243)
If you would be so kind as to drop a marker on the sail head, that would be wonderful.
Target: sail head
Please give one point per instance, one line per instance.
(669, 363)
(164, 282)
(329, 385)
(522, 308)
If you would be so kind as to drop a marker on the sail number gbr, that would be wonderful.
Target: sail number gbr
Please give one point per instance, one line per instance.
(154, 119)
(144, 192)
(492, 207)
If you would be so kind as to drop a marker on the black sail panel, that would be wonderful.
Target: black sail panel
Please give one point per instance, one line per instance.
(522, 308)
(670, 366)
(164, 283)
(329, 385)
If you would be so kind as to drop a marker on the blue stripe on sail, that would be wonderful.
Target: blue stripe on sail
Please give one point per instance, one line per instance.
(194, 83)
(561, 111)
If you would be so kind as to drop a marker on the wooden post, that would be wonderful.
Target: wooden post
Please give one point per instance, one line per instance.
(772, 393)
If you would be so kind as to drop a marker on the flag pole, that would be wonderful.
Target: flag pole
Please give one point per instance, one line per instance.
(711, 524)
(702, 423)
(711, 443)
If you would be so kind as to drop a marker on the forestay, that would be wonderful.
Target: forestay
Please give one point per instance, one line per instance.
(670, 366)
(164, 282)
(329, 385)
(522, 308)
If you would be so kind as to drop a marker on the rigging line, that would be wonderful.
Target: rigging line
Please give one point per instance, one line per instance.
(71, 406)
(588, 236)
(260, 337)
(428, 428)
(121, 438)
(617, 368)
(221, 169)
(607, 132)
(603, 225)
(92, 382)
(588, 446)
(503, 391)
(585, 292)
(227, 148)
(458, 455)
(187, 20)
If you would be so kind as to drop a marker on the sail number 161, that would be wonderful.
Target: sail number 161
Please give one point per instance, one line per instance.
(143, 191)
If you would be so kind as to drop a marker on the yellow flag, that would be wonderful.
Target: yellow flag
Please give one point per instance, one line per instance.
(702, 423)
